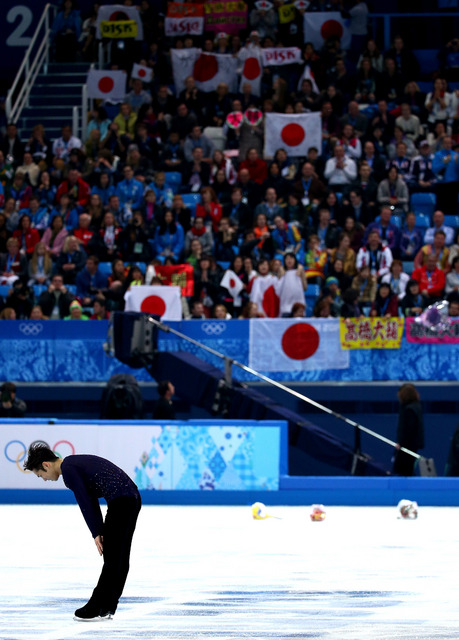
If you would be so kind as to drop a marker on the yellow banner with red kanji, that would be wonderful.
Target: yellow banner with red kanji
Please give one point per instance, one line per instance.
(371, 333)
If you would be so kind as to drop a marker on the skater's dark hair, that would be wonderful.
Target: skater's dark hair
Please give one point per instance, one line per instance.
(39, 453)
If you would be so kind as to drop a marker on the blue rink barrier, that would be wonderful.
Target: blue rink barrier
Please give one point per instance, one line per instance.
(256, 470)
(63, 351)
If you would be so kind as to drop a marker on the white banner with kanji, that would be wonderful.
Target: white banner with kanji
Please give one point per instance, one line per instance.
(160, 300)
(184, 19)
(296, 344)
(295, 132)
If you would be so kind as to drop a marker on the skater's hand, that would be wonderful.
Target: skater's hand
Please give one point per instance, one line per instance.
(99, 544)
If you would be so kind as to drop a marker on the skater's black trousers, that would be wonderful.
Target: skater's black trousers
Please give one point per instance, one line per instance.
(119, 527)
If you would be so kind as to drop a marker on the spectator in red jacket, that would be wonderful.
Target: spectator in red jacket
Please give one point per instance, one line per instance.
(257, 167)
(209, 208)
(26, 236)
(76, 187)
(83, 232)
(431, 279)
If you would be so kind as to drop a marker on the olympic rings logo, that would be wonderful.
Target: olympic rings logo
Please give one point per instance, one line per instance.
(30, 328)
(16, 451)
(214, 328)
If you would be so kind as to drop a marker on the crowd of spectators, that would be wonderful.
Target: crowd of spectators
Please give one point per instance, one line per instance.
(338, 222)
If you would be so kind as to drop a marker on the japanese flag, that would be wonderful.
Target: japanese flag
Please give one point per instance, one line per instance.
(320, 26)
(233, 284)
(208, 69)
(263, 293)
(295, 344)
(106, 85)
(293, 132)
(252, 69)
(308, 75)
(163, 301)
(141, 72)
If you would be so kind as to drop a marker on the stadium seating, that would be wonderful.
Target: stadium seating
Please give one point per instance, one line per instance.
(423, 203)
(452, 221)
(422, 221)
(173, 180)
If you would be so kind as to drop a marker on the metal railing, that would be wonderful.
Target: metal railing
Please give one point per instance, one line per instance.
(36, 55)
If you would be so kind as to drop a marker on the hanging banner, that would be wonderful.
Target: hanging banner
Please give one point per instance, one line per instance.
(119, 21)
(229, 17)
(281, 56)
(296, 344)
(177, 275)
(371, 333)
(184, 19)
(286, 13)
(418, 332)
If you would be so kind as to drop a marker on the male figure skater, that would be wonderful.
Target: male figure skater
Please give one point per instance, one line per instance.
(91, 478)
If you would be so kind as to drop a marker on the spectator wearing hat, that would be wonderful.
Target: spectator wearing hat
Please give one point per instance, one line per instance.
(421, 176)
(76, 312)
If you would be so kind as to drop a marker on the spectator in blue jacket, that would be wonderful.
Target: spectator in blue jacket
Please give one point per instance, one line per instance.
(67, 212)
(445, 165)
(65, 31)
(129, 191)
(39, 215)
(387, 230)
(410, 238)
(169, 238)
(90, 281)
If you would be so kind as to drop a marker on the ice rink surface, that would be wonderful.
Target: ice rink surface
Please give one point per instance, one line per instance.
(214, 572)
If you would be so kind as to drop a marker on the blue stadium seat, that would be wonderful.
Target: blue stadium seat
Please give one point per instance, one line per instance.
(173, 180)
(408, 266)
(223, 264)
(105, 268)
(428, 61)
(423, 203)
(71, 288)
(4, 288)
(190, 200)
(422, 221)
(142, 266)
(38, 289)
(310, 296)
(395, 219)
(452, 221)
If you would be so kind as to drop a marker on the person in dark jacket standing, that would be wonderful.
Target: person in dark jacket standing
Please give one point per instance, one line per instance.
(164, 409)
(410, 429)
(90, 478)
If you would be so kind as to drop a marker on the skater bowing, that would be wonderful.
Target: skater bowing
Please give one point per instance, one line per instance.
(91, 478)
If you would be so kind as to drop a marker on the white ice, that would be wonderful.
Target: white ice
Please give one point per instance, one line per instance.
(214, 572)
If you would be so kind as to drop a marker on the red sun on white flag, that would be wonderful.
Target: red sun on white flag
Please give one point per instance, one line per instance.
(205, 68)
(293, 134)
(300, 341)
(331, 29)
(105, 84)
(252, 68)
(153, 305)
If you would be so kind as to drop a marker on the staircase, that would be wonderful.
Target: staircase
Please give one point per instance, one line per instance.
(53, 97)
